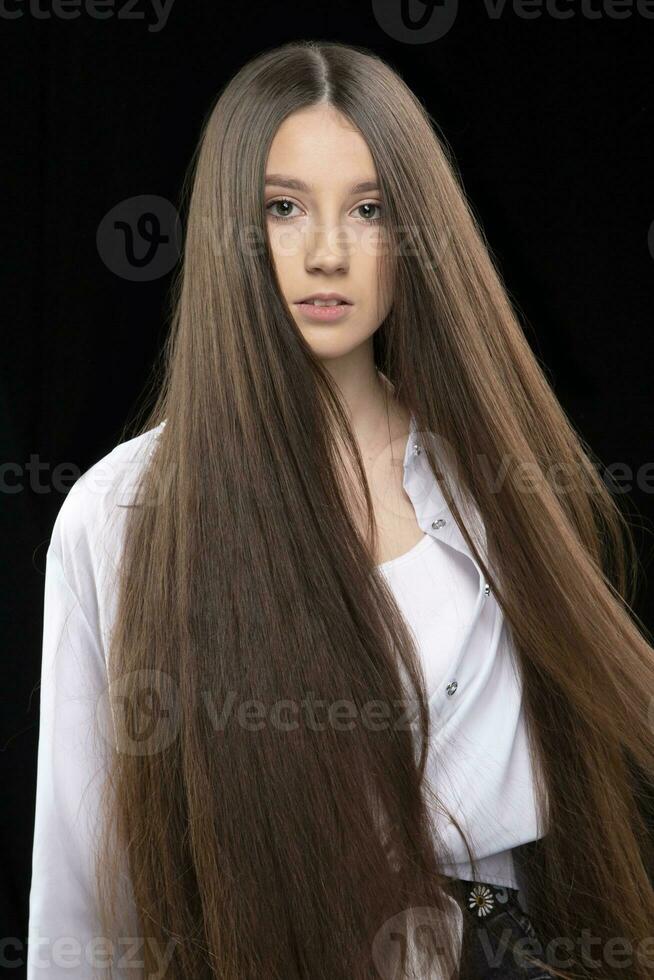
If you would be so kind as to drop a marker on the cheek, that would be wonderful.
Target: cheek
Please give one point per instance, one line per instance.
(285, 243)
(374, 262)
(376, 287)
(285, 270)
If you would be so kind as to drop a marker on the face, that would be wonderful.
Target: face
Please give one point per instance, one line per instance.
(323, 219)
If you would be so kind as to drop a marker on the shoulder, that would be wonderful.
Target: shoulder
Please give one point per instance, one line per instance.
(86, 536)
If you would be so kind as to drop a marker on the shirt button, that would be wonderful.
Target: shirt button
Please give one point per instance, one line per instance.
(441, 522)
(487, 589)
(451, 687)
(416, 449)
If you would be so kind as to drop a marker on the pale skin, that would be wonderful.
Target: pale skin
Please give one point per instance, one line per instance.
(324, 239)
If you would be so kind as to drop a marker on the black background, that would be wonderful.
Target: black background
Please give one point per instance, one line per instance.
(550, 120)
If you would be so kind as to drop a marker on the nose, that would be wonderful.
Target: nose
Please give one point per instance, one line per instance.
(326, 249)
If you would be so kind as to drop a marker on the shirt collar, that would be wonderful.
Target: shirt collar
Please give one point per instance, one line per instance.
(433, 514)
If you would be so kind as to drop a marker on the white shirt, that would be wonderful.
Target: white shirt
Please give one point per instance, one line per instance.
(478, 760)
(476, 700)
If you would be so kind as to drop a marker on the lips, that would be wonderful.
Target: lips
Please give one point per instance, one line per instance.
(325, 299)
(324, 313)
(325, 302)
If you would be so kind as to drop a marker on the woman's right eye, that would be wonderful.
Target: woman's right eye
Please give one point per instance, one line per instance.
(281, 201)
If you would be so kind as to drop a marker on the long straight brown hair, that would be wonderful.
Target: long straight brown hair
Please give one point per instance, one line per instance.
(259, 849)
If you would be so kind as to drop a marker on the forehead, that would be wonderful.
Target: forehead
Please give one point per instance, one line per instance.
(320, 147)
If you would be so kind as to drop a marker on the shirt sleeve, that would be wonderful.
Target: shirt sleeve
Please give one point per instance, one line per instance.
(64, 935)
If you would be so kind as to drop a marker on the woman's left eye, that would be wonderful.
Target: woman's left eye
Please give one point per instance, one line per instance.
(285, 203)
(370, 204)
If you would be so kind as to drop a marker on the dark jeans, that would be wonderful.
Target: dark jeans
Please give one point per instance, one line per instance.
(493, 915)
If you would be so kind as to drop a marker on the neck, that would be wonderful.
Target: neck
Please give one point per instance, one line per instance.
(369, 399)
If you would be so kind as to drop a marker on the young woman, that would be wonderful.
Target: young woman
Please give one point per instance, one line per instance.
(340, 677)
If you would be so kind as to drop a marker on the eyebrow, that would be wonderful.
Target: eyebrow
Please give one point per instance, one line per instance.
(280, 180)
